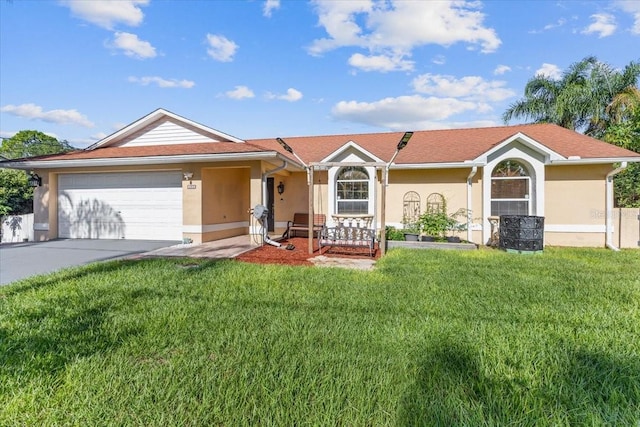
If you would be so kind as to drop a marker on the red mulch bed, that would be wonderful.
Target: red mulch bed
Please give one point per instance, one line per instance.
(268, 254)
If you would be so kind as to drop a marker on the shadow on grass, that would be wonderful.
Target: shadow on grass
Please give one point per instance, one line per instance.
(35, 283)
(55, 327)
(453, 388)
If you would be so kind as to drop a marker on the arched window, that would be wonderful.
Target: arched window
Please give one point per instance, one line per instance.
(510, 189)
(352, 190)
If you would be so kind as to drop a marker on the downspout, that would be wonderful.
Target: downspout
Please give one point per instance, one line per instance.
(386, 178)
(264, 180)
(474, 170)
(609, 205)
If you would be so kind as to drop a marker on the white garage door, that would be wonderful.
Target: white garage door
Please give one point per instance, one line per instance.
(132, 205)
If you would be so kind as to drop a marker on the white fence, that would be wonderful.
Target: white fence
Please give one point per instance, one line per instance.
(17, 228)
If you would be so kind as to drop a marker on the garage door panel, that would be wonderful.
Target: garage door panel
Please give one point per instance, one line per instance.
(132, 205)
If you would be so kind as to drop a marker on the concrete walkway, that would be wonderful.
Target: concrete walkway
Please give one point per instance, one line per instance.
(219, 249)
(234, 246)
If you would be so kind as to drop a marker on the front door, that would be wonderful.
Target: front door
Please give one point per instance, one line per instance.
(270, 205)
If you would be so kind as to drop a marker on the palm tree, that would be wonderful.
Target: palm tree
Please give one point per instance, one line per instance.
(581, 100)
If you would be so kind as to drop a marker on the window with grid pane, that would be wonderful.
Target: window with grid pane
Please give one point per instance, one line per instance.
(352, 190)
(510, 189)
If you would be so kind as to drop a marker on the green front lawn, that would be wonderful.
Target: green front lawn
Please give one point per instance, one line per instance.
(429, 338)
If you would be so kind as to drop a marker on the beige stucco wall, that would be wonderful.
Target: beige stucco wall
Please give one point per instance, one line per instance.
(575, 205)
(219, 205)
(451, 183)
(233, 185)
(224, 193)
(296, 197)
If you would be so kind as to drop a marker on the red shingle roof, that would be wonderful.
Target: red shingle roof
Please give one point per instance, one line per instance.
(453, 145)
(158, 150)
(433, 146)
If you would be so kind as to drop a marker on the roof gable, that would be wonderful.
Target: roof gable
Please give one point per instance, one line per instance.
(351, 152)
(520, 139)
(162, 127)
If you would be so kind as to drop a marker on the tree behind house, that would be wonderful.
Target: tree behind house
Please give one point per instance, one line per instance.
(594, 98)
(16, 196)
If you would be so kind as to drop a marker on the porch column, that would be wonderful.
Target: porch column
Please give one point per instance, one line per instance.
(311, 213)
(383, 209)
(192, 206)
(255, 198)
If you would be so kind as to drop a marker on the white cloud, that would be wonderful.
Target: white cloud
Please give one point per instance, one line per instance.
(292, 95)
(221, 48)
(270, 6)
(163, 83)
(551, 71)
(402, 112)
(35, 112)
(240, 92)
(132, 46)
(381, 63)
(439, 60)
(501, 69)
(633, 8)
(559, 23)
(469, 88)
(394, 28)
(107, 14)
(603, 25)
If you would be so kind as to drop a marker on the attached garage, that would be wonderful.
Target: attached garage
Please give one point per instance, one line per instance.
(129, 205)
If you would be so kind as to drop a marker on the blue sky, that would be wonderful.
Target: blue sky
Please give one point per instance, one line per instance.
(80, 70)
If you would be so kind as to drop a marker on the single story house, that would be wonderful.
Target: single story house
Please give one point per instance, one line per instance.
(165, 177)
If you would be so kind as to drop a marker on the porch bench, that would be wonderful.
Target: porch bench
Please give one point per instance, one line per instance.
(301, 223)
(349, 237)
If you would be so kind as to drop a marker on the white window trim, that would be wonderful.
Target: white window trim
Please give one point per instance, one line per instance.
(332, 193)
(536, 170)
(529, 191)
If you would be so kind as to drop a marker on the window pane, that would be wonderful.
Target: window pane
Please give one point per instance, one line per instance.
(509, 168)
(353, 173)
(509, 207)
(352, 190)
(352, 207)
(509, 188)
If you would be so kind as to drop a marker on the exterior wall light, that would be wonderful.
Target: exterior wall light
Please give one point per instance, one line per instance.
(280, 188)
(187, 176)
(34, 180)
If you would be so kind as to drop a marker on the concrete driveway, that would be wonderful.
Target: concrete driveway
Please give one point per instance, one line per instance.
(21, 260)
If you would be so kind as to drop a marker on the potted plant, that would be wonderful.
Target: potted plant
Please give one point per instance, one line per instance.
(393, 233)
(455, 226)
(436, 224)
(411, 230)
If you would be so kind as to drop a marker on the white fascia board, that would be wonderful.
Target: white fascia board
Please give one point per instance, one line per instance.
(524, 139)
(152, 117)
(356, 147)
(149, 160)
(595, 161)
(449, 165)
